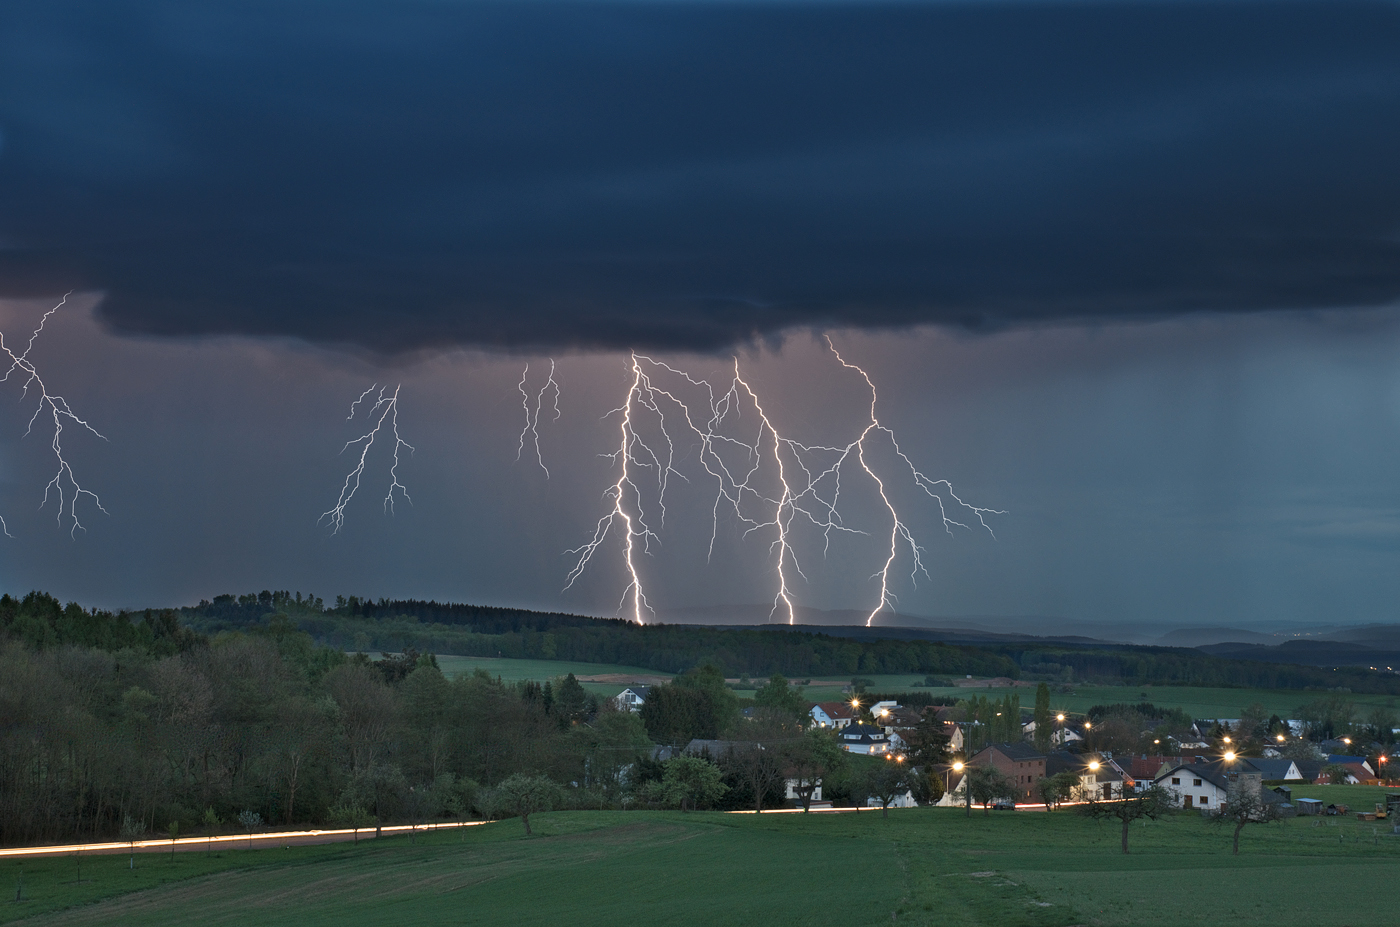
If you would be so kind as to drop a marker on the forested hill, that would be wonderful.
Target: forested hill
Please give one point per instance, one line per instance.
(484, 631)
(354, 624)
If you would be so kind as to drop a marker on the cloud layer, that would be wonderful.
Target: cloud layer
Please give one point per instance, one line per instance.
(688, 175)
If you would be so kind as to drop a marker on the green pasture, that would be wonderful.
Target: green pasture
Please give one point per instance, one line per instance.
(1198, 702)
(929, 866)
(540, 670)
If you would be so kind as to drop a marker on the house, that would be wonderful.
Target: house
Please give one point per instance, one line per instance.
(1024, 764)
(834, 715)
(863, 738)
(1207, 783)
(1098, 778)
(632, 698)
(1341, 759)
(1148, 765)
(1276, 770)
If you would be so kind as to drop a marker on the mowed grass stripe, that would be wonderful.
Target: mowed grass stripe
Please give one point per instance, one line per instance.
(661, 870)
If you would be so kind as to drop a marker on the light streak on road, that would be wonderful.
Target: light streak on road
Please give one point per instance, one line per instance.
(234, 841)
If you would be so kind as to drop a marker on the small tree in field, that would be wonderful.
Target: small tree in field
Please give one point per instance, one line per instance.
(524, 795)
(351, 816)
(173, 829)
(887, 782)
(211, 827)
(1150, 803)
(251, 821)
(1244, 805)
(132, 830)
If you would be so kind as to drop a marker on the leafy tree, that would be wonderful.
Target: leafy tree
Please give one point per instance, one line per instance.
(614, 743)
(251, 821)
(887, 782)
(692, 781)
(780, 697)
(1150, 803)
(810, 759)
(132, 829)
(570, 702)
(525, 795)
(1244, 805)
(987, 784)
(1057, 788)
(928, 744)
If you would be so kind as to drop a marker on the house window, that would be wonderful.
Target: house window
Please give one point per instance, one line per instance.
(1176, 781)
(1205, 800)
(1196, 782)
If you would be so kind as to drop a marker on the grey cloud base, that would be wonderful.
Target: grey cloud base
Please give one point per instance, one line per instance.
(690, 175)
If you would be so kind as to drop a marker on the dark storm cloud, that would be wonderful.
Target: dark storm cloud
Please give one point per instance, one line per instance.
(685, 175)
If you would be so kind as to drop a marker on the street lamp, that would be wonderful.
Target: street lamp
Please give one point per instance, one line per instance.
(1229, 756)
(1280, 738)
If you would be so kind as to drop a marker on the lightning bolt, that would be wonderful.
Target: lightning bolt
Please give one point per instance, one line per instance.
(804, 487)
(383, 409)
(634, 524)
(899, 531)
(532, 417)
(60, 412)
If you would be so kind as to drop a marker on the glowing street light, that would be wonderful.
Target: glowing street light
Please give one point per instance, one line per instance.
(1094, 765)
(1280, 738)
(1060, 717)
(1229, 756)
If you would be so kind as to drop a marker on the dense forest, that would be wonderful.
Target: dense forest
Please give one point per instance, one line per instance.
(132, 723)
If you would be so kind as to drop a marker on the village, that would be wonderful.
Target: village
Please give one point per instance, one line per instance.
(1208, 764)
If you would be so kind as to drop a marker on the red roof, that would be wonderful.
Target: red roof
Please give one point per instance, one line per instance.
(836, 710)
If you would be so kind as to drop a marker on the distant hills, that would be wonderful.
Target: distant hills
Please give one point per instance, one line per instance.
(1372, 645)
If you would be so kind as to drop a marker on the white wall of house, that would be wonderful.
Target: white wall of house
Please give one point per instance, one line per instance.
(791, 791)
(1184, 785)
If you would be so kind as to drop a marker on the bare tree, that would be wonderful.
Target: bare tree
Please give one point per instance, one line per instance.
(757, 767)
(1150, 803)
(1243, 806)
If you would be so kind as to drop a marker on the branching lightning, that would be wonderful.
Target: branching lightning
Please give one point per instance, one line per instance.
(899, 531)
(383, 409)
(739, 453)
(532, 417)
(64, 483)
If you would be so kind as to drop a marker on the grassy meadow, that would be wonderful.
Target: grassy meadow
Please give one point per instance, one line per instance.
(1197, 701)
(926, 866)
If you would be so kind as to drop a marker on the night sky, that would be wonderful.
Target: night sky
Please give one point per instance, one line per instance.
(1127, 271)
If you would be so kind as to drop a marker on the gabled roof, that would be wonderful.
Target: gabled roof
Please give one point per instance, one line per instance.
(836, 710)
(639, 691)
(1273, 768)
(1018, 751)
(862, 733)
(1213, 771)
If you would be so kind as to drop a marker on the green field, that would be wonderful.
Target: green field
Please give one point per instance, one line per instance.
(922, 866)
(1198, 702)
(540, 670)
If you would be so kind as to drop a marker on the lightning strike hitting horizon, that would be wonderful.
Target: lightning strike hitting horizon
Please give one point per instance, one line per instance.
(899, 531)
(386, 407)
(532, 419)
(59, 411)
(805, 478)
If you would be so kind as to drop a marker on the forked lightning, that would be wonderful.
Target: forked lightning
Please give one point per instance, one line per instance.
(805, 479)
(64, 483)
(383, 410)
